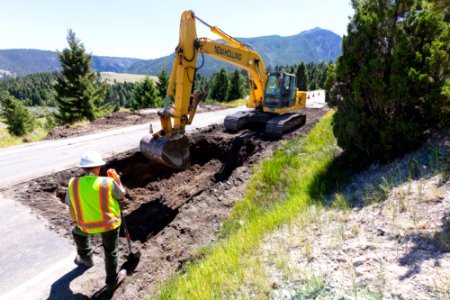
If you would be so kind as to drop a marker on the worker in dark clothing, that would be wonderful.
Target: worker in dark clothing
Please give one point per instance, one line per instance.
(93, 205)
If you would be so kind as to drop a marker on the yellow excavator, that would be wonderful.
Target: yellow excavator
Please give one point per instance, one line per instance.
(273, 96)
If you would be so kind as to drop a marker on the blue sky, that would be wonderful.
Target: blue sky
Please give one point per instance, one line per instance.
(149, 29)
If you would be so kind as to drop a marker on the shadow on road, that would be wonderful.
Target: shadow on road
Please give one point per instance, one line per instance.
(61, 288)
(130, 265)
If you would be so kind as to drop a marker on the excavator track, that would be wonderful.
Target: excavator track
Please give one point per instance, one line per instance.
(243, 119)
(282, 124)
(275, 125)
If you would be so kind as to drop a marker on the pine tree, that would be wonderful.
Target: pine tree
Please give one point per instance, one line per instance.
(219, 86)
(322, 76)
(312, 77)
(16, 115)
(236, 89)
(302, 77)
(201, 84)
(78, 96)
(145, 95)
(388, 84)
(163, 82)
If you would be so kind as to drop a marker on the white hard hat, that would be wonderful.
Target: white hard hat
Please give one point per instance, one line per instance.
(91, 159)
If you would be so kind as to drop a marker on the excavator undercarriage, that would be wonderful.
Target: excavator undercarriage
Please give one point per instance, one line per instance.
(274, 125)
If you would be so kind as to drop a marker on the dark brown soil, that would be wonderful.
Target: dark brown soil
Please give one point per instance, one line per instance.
(169, 213)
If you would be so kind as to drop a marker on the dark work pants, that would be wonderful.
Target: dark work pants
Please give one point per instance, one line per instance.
(110, 242)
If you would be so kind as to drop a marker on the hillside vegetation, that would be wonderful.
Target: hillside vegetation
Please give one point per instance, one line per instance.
(316, 45)
(277, 192)
(302, 231)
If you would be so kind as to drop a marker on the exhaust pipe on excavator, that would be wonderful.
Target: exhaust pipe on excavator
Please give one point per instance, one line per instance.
(170, 151)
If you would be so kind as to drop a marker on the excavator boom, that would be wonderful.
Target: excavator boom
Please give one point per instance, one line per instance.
(170, 145)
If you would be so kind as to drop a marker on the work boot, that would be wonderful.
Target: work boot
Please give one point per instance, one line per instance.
(84, 261)
(111, 287)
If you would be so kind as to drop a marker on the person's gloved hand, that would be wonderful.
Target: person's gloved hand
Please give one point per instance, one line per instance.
(113, 174)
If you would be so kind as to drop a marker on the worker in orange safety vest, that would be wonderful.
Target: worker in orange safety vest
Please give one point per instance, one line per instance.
(93, 205)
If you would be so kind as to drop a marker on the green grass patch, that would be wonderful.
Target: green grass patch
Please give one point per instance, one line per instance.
(38, 133)
(234, 103)
(279, 190)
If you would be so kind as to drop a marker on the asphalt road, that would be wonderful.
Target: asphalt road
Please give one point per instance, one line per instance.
(25, 162)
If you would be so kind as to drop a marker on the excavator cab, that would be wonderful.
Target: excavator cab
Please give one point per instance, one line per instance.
(280, 90)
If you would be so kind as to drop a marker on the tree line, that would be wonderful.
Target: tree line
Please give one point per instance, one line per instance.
(32, 90)
(79, 93)
(228, 86)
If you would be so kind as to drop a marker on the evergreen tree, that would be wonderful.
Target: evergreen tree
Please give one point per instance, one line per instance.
(78, 96)
(302, 77)
(201, 84)
(292, 69)
(145, 95)
(219, 85)
(322, 76)
(16, 115)
(119, 94)
(163, 82)
(313, 74)
(33, 90)
(388, 84)
(236, 89)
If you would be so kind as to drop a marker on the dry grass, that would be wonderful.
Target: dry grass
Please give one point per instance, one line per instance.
(111, 77)
(38, 133)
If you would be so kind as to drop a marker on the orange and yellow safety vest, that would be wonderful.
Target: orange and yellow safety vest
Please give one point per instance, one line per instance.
(94, 207)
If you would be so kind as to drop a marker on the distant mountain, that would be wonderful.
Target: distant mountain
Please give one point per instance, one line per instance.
(19, 62)
(314, 45)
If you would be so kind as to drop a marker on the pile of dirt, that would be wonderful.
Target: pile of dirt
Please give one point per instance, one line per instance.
(169, 213)
(114, 120)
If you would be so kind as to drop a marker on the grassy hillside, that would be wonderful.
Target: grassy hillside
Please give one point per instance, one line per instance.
(297, 216)
(279, 190)
(111, 77)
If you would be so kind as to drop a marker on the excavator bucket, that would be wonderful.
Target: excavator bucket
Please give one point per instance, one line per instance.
(172, 152)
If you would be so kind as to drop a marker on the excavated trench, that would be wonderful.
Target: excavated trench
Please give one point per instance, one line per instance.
(156, 192)
(169, 213)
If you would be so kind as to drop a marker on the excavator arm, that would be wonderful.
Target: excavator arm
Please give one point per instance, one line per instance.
(274, 109)
(170, 146)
